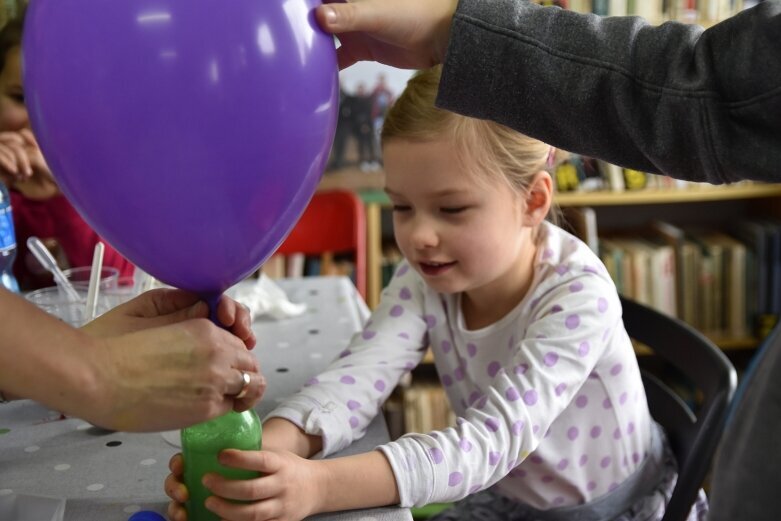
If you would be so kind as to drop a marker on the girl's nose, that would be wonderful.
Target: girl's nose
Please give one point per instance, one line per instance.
(423, 235)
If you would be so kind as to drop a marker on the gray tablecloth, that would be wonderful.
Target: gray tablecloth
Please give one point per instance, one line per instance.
(109, 476)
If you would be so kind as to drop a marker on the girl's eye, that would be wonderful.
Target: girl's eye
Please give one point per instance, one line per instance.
(18, 98)
(400, 208)
(457, 209)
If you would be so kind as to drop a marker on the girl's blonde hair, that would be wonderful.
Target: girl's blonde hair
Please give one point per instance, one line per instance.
(493, 149)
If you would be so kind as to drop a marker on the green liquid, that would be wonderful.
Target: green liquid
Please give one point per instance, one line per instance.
(200, 446)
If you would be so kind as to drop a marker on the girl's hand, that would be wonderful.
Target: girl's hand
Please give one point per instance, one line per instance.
(23, 167)
(289, 489)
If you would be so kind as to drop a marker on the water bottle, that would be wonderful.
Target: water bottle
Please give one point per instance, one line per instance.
(7, 242)
(202, 443)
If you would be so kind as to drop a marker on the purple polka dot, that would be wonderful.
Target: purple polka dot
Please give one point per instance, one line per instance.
(617, 433)
(481, 402)
(572, 321)
(517, 427)
(537, 460)
(475, 488)
(556, 309)
(312, 381)
(459, 373)
(550, 359)
(409, 366)
(560, 389)
(494, 457)
(344, 353)
(581, 401)
(455, 479)
(367, 334)
(447, 380)
(602, 304)
(521, 368)
(512, 394)
(547, 479)
(605, 462)
(576, 286)
(530, 397)
(583, 460)
(607, 404)
(446, 346)
(547, 254)
(471, 350)
(436, 455)
(474, 397)
(584, 348)
(405, 293)
(347, 379)
(635, 457)
(535, 428)
(396, 311)
(353, 422)
(404, 335)
(493, 368)
(630, 428)
(352, 405)
(612, 487)
(563, 464)
(431, 321)
(591, 485)
(596, 431)
(533, 303)
(591, 269)
(573, 433)
(379, 385)
(561, 269)
(492, 424)
(558, 501)
(465, 445)
(622, 399)
(616, 369)
(402, 270)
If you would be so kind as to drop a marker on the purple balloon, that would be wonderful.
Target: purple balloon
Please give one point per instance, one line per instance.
(189, 134)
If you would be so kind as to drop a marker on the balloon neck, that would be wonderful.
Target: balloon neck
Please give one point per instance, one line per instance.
(212, 300)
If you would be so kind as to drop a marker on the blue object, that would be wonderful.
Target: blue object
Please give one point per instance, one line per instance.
(7, 242)
(146, 515)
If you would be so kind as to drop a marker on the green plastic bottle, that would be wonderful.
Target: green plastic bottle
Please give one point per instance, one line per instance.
(202, 443)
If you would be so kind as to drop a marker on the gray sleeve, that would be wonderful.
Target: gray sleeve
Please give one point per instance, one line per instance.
(674, 99)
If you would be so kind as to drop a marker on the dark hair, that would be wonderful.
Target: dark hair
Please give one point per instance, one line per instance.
(11, 35)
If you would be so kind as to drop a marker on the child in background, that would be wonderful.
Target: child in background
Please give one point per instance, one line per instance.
(526, 331)
(39, 208)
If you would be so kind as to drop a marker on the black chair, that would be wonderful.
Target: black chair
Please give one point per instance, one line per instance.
(693, 436)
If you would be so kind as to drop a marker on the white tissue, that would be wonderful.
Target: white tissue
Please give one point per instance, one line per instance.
(264, 297)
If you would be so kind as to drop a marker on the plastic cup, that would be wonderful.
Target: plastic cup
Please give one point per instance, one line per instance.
(56, 302)
(80, 276)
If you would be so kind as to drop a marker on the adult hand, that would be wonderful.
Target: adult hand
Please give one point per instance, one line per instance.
(162, 365)
(408, 34)
(23, 166)
(288, 490)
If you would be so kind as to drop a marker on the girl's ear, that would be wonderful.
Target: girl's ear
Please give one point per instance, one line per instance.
(539, 197)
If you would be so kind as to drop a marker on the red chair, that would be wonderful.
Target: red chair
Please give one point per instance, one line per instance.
(334, 222)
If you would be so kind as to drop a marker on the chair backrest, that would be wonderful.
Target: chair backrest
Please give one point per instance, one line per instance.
(334, 221)
(693, 435)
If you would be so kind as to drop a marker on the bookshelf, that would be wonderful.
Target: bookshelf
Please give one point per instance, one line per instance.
(715, 204)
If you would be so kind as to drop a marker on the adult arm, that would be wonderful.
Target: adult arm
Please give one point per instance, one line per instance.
(674, 99)
(153, 363)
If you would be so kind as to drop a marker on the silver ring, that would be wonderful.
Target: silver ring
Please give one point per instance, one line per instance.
(246, 380)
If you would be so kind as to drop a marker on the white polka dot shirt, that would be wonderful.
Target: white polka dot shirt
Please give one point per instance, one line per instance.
(549, 399)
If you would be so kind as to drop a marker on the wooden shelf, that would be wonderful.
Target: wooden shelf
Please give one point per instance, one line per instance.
(669, 196)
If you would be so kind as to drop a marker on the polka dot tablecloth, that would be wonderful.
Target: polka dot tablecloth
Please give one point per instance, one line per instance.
(108, 476)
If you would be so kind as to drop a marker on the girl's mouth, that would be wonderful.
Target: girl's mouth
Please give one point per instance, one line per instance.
(435, 268)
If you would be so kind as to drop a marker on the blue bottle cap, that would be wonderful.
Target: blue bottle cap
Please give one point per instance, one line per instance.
(146, 515)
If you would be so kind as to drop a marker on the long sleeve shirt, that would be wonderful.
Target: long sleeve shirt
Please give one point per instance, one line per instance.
(702, 105)
(549, 399)
(56, 218)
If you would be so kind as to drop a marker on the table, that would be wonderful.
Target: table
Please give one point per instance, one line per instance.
(107, 476)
